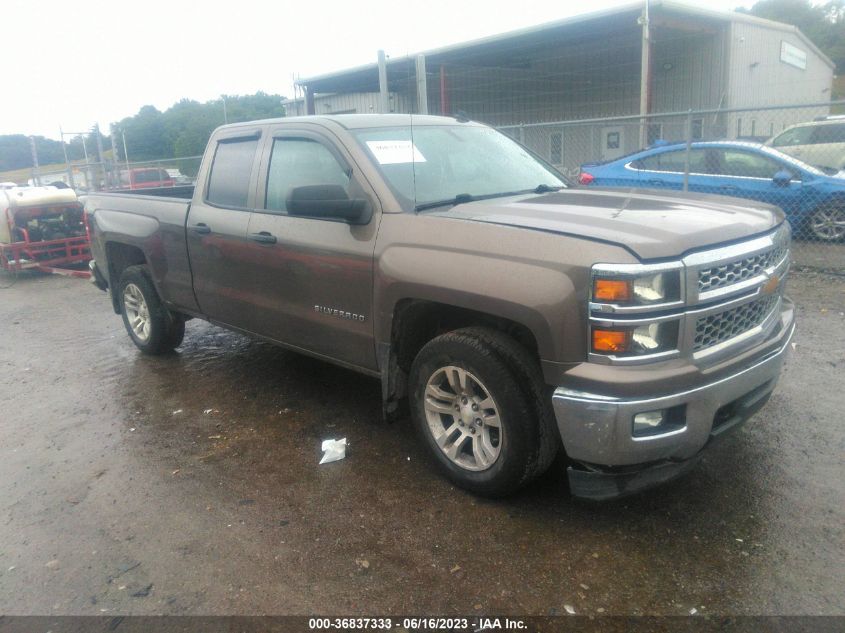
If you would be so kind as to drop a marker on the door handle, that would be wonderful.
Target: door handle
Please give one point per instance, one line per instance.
(729, 188)
(657, 182)
(263, 237)
(202, 228)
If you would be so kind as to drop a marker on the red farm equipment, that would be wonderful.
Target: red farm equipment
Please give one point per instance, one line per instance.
(42, 228)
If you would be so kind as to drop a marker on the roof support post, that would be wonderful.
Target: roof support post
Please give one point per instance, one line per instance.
(444, 92)
(384, 97)
(422, 87)
(309, 100)
(645, 75)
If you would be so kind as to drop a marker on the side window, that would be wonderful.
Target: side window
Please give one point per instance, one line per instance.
(739, 163)
(675, 161)
(228, 184)
(296, 162)
(793, 136)
(828, 134)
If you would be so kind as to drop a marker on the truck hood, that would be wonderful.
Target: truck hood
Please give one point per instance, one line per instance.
(651, 224)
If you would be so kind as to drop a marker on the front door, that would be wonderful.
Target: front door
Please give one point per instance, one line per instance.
(748, 174)
(312, 280)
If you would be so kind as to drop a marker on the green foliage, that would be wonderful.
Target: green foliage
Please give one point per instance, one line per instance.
(824, 23)
(181, 130)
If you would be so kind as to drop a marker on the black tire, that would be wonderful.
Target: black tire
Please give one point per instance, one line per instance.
(529, 440)
(165, 331)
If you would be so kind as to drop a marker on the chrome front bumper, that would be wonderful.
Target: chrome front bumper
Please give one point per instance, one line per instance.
(597, 430)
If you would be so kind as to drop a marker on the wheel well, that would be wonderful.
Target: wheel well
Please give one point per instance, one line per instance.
(119, 258)
(416, 322)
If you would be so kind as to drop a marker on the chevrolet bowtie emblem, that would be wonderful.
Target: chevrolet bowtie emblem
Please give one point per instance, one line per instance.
(771, 286)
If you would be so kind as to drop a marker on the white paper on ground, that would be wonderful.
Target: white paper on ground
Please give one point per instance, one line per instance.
(395, 152)
(333, 450)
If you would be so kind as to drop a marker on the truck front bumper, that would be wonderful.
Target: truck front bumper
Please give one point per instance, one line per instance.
(610, 461)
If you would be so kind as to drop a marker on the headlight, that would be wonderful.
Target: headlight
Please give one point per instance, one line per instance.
(649, 338)
(641, 290)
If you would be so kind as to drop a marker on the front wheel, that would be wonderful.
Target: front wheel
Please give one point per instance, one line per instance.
(828, 224)
(478, 402)
(152, 328)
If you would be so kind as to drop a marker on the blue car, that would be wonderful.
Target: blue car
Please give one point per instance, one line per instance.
(813, 200)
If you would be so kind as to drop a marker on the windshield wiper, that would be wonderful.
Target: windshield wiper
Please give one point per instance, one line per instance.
(543, 188)
(461, 198)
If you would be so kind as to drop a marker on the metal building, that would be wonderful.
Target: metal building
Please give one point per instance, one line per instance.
(644, 58)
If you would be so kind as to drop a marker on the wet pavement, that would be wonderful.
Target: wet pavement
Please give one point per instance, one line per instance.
(189, 484)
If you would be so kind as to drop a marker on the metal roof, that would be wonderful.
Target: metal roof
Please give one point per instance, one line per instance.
(540, 31)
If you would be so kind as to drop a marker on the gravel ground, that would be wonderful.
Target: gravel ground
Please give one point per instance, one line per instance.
(189, 484)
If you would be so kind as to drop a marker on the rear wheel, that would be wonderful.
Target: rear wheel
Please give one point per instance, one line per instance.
(478, 402)
(152, 328)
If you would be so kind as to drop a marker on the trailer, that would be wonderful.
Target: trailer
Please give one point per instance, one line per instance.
(42, 228)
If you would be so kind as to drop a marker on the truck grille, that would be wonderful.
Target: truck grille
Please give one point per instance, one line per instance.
(717, 328)
(741, 269)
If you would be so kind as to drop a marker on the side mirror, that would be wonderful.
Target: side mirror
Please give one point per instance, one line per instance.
(326, 201)
(782, 178)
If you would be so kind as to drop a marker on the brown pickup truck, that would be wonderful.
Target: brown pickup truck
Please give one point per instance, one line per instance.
(518, 317)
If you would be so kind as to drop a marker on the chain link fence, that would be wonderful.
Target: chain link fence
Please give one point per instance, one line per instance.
(121, 176)
(789, 156)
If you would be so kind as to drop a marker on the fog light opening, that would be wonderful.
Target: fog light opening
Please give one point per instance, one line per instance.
(659, 421)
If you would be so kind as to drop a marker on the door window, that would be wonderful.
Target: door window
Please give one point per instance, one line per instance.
(828, 134)
(297, 162)
(793, 136)
(675, 162)
(739, 163)
(228, 184)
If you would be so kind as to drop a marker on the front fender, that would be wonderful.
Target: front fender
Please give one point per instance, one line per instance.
(539, 297)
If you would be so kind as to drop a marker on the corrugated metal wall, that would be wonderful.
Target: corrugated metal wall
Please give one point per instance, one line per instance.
(351, 103)
(759, 77)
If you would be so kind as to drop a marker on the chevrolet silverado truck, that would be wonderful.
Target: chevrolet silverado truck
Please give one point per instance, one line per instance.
(516, 317)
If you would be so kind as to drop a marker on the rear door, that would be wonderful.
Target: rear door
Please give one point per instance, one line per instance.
(217, 227)
(827, 146)
(663, 170)
(311, 278)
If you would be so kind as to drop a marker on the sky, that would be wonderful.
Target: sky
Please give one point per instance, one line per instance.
(74, 64)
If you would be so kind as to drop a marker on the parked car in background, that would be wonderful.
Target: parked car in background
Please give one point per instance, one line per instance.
(145, 178)
(819, 143)
(814, 201)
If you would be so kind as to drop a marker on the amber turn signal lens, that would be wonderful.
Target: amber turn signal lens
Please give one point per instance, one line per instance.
(611, 340)
(612, 290)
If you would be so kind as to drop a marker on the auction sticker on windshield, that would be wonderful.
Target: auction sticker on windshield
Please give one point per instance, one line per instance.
(395, 152)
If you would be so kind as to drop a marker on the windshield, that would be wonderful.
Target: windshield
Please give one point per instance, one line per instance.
(427, 164)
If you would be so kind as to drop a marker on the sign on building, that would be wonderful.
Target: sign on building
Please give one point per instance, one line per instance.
(793, 55)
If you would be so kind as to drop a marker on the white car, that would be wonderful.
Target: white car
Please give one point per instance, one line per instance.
(818, 143)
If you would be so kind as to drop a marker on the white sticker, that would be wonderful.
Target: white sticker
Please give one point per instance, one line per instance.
(395, 152)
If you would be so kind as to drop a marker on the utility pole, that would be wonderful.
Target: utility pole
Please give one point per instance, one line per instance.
(114, 158)
(125, 153)
(68, 166)
(36, 170)
(100, 156)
